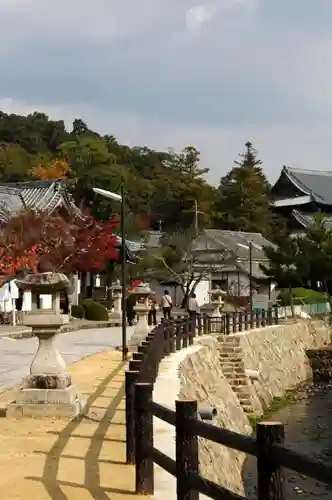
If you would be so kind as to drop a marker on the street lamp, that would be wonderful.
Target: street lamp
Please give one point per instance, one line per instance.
(120, 198)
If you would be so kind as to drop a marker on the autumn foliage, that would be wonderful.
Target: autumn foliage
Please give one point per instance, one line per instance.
(57, 169)
(37, 241)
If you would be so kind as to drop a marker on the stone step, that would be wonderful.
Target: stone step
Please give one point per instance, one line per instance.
(246, 400)
(239, 368)
(247, 409)
(230, 349)
(234, 374)
(237, 381)
(240, 388)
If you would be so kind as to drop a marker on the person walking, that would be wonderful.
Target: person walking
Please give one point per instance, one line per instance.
(193, 310)
(166, 304)
(152, 314)
(130, 304)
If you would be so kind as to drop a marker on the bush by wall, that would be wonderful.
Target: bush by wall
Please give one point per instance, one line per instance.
(77, 311)
(94, 311)
(302, 296)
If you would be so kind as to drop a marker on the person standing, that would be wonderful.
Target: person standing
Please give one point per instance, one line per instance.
(152, 314)
(193, 309)
(166, 304)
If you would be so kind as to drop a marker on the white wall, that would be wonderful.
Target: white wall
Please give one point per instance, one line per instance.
(176, 293)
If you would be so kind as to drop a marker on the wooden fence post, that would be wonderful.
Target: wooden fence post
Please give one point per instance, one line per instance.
(234, 322)
(240, 321)
(135, 365)
(228, 323)
(138, 356)
(270, 480)
(205, 324)
(185, 333)
(143, 439)
(251, 319)
(141, 348)
(178, 335)
(263, 319)
(131, 379)
(166, 334)
(186, 446)
(246, 320)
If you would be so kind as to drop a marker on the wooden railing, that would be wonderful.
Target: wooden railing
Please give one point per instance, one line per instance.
(233, 322)
(268, 447)
(165, 339)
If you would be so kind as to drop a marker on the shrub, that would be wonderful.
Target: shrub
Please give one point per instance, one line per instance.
(302, 296)
(77, 311)
(94, 311)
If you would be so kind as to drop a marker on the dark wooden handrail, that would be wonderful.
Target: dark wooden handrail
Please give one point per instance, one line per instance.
(165, 339)
(268, 447)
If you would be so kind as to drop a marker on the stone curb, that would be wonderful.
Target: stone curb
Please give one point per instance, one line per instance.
(27, 334)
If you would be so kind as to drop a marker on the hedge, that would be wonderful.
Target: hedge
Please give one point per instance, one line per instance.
(302, 296)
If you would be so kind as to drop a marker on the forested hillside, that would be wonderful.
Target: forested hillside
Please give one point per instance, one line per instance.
(160, 186)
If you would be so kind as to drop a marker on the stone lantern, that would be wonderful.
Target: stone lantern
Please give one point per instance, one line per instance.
(212, 308)
(142, 293)
(116, 315)
(48, 391)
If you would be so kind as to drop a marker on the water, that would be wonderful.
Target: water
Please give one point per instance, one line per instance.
(308, 429)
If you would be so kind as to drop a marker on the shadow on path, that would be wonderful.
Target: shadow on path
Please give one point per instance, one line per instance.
(93, 464)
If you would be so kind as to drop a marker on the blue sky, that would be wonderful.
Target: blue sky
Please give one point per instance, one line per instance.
(212, 73)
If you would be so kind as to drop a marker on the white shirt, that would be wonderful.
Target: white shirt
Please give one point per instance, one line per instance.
(166, 301)
(193, 305)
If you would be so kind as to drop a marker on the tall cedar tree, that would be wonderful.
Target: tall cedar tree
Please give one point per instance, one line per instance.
(243, 198)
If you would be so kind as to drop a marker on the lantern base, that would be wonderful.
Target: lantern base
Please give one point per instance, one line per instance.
(47, 403)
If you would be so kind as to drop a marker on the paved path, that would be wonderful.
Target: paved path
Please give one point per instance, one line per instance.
(16, 355)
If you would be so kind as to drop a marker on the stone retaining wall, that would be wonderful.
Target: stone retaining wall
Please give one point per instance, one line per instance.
(276, 352)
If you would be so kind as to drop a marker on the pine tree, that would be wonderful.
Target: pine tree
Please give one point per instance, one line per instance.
(243, 196)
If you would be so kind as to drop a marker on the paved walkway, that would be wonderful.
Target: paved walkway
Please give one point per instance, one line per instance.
(72, 460)
(16, 355)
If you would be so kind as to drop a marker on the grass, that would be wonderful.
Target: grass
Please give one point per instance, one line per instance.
(275, 405)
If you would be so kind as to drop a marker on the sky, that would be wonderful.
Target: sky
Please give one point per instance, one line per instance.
(171, 73)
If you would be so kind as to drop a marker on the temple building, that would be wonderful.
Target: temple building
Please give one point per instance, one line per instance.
(300, 193)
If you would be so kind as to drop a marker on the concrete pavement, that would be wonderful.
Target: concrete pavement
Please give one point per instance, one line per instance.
(16, 355)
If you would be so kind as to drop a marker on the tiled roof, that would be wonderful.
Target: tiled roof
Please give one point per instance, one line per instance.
(316, 183)
(307, 219)
(45, 196)
(235, 241)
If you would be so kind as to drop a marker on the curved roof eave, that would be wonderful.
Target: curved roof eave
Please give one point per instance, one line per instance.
(295, 181)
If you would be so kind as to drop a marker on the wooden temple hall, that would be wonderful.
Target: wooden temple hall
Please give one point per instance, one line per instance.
(52, 197)
(300, 193)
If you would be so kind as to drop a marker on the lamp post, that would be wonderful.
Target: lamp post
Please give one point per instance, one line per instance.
(120, 198)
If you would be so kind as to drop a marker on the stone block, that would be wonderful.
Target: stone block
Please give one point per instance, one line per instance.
(47, 396)
(71, 410)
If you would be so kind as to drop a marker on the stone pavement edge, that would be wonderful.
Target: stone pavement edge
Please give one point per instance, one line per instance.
(67, 460)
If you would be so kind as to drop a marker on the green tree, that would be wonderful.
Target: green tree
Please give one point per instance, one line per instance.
(316, 250)
(243, 196)
(286, 267)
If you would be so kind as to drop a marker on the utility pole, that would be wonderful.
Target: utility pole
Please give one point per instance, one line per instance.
(123, 277)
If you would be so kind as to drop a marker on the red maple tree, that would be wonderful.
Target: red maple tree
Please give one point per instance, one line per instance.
(38, 241)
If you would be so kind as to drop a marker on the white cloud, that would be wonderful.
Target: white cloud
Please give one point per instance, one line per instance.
(198, 15)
